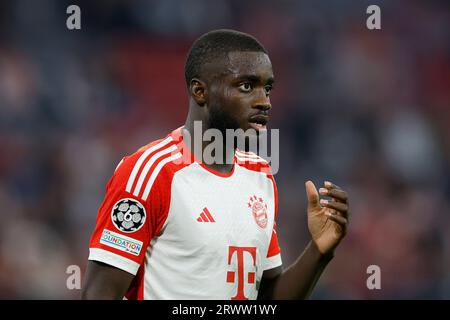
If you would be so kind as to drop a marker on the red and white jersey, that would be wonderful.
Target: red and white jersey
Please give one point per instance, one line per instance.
(185, 231)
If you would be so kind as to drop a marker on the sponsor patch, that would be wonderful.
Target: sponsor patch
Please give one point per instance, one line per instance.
(121, 242)
(128, 215)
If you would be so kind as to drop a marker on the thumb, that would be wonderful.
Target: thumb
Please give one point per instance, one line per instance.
(312, 194)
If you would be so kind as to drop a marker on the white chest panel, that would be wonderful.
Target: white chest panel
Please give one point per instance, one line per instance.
(215, 238)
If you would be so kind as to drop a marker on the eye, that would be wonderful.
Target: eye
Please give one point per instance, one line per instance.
(246, 87)
(268, 88)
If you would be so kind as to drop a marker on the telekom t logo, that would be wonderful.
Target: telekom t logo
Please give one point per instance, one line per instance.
(231, 275)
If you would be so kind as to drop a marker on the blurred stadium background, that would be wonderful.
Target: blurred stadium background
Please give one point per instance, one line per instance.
(369, 110)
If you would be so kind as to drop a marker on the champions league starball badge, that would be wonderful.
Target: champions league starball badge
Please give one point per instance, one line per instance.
(128, 215)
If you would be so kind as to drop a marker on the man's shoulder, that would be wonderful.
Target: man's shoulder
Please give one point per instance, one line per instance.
(253, 162)
(152, 164)
(152, 150)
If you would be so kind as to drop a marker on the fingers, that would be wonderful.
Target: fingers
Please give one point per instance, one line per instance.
(331, 185)
(337, 194)
(338, 219)
(339, 199)
(339, 202)
(341, 208)
(312, 194)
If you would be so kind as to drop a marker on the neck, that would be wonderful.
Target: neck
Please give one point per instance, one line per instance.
(193, 134)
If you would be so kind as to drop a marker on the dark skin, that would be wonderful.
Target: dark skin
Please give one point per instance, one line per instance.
(238, 89)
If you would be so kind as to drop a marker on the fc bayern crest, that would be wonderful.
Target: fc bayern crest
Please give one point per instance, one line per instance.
(128, 215)
(259, 211)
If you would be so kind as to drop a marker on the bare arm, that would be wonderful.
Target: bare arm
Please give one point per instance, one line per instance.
(105, 282)
(297, 281)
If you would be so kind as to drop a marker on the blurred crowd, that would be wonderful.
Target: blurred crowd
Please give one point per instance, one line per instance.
(368, 110)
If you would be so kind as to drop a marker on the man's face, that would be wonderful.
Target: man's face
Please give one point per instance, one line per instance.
(239, 95)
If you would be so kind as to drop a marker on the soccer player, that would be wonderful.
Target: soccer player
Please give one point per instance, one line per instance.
(173, 227)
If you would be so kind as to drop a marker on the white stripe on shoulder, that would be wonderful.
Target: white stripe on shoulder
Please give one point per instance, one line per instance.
(248, 159)
(247, 154)
(155, 173)
(149, 164)
(141, 159)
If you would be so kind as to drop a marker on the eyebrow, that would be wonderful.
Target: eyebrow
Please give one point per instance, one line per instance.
(254, 78)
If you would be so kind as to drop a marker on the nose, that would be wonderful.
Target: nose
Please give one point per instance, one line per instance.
(262, 102)
(263, 106)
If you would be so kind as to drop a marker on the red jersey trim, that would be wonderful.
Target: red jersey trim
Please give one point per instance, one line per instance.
(274, 247)
(190, 157)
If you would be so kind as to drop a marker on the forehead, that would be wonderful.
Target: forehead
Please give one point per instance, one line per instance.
(251, 63)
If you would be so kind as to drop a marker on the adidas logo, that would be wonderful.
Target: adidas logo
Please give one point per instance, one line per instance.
(205, 216)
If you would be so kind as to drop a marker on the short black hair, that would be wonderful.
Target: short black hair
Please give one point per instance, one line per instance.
(216, 44)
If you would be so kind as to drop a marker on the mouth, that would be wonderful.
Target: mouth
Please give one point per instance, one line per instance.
(259, 122)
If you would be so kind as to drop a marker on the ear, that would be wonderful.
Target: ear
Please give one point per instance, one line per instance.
(198, 91)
